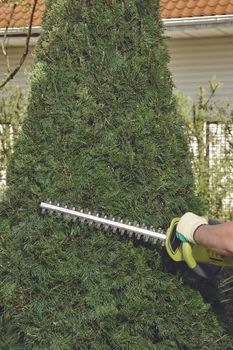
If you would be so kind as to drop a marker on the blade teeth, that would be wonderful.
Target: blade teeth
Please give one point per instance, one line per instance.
(114, 229)
(47, 211)
(137, 235)
(66, 216)
(74, 218)
(43, 211)
(58, 214)
(105, 227)
(81, 219)
(122, 232)
(130, 233)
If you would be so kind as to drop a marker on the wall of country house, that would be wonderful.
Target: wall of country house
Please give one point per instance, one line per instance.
(14, 54)
(194, 61)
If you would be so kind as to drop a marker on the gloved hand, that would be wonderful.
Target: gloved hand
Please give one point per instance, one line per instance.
(187, 226)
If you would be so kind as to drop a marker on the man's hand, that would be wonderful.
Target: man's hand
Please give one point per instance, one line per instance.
(187, 226)
(195, 229)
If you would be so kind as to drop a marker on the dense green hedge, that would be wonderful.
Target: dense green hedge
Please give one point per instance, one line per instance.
(102, 132)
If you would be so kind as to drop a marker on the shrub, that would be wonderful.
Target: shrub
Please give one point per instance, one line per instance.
(102, 132)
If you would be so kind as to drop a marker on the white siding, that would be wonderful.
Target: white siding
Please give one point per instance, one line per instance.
(15, 54)
(195, 61)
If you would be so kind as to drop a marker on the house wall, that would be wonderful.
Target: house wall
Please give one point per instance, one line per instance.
(194, 61)
(14, 54)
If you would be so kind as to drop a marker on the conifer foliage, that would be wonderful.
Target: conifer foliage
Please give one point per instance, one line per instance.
(102, 132)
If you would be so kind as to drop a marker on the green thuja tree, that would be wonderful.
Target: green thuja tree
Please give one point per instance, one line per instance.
(102, 132)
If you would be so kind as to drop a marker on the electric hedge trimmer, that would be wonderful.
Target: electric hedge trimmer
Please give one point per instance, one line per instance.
(201, 260)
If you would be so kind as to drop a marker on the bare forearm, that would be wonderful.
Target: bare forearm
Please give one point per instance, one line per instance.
(218, 238)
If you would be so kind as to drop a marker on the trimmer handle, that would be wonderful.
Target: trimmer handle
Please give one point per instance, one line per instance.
(201, 260)
(205, 270)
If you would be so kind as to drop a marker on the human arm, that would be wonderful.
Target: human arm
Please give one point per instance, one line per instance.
(218, 238)
(195, 229)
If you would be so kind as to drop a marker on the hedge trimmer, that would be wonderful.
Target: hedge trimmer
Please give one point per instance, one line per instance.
(201, 260)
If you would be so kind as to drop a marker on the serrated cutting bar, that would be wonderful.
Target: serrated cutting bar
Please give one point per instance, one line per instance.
(140, 232)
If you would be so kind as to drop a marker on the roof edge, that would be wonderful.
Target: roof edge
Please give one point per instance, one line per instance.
(197, 27)
(22, 31)
(204, 20)
(171, 25)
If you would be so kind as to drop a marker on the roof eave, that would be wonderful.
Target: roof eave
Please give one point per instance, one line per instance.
(22, 31)
(17, 36)
(186, 27)
(205, 26)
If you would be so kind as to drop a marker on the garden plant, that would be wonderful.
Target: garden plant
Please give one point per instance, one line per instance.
(102, 132)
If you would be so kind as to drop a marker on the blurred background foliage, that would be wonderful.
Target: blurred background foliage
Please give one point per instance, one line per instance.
(209, 126)
(13, 106)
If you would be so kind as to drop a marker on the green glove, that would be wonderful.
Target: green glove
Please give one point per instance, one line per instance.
(187, 226)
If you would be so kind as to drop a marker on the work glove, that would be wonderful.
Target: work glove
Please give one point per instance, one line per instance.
(187, 226)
